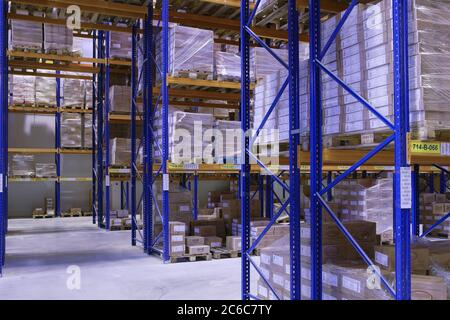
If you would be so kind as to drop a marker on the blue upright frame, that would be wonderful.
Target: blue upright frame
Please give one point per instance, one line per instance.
(106, 141)
(94, 133)
(100, 128)
(3, 131)
(400, 128)
(294, 186)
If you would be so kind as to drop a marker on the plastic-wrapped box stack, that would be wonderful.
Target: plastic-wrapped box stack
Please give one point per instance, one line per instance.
(120, 98)
(89, 88)
(22, 165)
(186, 136)
(366, 199)
(191, 52)
(87, 134)
(58, 38)
(45, 91)
(121, 151)
(264, 64)
(45, 170)
(22, 90)
(228, 66)
(73, 93)
(26, 34)
(229, 150)
(120, 45)
(71, 134)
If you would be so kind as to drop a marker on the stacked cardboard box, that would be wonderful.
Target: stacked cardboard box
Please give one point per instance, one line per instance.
(22, 165)
(88, 94)
(420, 259)
(58, 38)
(440, 267)
(227, 138)
(437, 212)
(120, 45)
(87, 134)
(177, 233)
(121, 151)
(120, 99)
(71, 134)
(191, 51)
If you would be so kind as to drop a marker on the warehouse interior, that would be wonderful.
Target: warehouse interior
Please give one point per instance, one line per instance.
(225, 150)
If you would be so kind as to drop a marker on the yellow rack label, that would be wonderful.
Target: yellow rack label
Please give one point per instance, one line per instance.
(425, 147)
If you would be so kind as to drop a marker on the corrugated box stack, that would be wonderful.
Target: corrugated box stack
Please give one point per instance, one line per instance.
(89, 91)
(26, 34)
(58, 39)
(191, 52)
(120, 99)
(71, 136)
(22, 165)
(227, 142)
(228, 66)
(120, 45)
(433, 207)
(45, 91)
(22, 90)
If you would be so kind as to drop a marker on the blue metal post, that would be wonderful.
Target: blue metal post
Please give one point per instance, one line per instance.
(245, 161)
(94, 134)
(329, 180)
(294, 142)
(121, 195)
(106, 139)
(165, 127)
(443, 182)
(58, 147)
(195, 200)
(100, 122)
(415, 213)
(148, 136)
(3, 132)
(316, 149)
(269, 196)
(431, 182)
(401, 112)
(133, 164)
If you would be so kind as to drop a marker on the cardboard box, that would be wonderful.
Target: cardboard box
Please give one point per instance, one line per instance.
(428, 288)
(385, 258)
(200, 249)
(234, 243)
(195, 241)
(177, 228)
(205, 231)
(213, 242)
(177, 250)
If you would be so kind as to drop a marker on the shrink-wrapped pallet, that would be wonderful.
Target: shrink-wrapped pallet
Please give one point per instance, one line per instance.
(191, 52)
(87, 134)
(26, 34)
(227, 138)
(22, 165)
(22, 90)
(121, 151)
(45, 170)
(120, 99)
(45, 91)
(73, 93)
(89, 89)
(71, 130)
(58, 38)
(120, 45)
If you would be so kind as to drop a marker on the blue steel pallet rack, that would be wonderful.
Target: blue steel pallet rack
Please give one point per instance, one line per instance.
(400, 128)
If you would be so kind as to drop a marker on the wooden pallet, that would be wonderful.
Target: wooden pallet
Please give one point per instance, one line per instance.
(71, 215)
(191, 258)
(222, 253)
(42, 216)
(87, 214)
(200, 75)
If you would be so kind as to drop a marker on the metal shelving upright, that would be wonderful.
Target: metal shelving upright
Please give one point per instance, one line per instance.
(402, 172)
(292, 82)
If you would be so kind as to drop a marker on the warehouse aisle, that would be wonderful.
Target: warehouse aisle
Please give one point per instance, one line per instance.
(39, 253)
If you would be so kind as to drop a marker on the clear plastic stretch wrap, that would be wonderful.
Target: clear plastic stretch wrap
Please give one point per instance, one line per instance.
(73, 93)
(58, 38)
(365, 199)
(440, 267)
(45, 91)
(229, 150)
(22, 90)
(120, 45)
(45, 170)
(89, 87)
(191, 51)
(83, 47)
(22, 165)
(228, 66)
(71, 134)
(264, 64)
(26, 34)
(120, 99)
(190, 136)
(87, 136)
(121, 151)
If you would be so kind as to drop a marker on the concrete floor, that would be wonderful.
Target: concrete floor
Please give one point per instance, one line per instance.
(38, 253)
